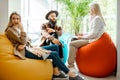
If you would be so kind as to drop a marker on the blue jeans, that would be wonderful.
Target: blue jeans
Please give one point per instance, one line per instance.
(53, 55)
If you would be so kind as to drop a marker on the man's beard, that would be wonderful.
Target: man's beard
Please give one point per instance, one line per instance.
(52, 22)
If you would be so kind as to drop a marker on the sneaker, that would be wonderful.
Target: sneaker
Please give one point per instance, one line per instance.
(73, 69)
(61, 72)
(76, 78)
(60, 76)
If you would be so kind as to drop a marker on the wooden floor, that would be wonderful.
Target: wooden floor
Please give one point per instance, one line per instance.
(93, 78)
(112, 77)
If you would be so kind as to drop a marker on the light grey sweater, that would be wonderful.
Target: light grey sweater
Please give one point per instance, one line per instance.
(96, 29)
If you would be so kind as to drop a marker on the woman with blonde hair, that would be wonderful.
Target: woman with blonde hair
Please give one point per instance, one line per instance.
(96, 29)
(16, 34)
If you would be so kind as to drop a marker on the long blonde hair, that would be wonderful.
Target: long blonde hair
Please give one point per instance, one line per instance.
(97, 10)
(10, 24)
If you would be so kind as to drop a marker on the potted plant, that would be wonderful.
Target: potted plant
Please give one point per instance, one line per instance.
(75, 10)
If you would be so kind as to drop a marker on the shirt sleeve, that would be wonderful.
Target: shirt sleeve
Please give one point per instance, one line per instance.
(95, 29)
(13, 37)
(59, 31)
(44, 31)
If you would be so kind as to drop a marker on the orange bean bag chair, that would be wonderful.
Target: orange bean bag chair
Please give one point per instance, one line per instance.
(97, 59)
(13, 68)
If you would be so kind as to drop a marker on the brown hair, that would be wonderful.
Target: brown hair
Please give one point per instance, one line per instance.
(10, 24)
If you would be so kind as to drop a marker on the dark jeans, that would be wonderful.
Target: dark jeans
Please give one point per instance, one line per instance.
(53, 55)
(47, 42)
(60, 48)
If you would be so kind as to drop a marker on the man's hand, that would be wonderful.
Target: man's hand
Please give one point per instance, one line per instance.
(45, 34)
(56, 41)
(50, 30)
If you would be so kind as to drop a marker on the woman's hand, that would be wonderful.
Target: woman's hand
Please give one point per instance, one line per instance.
(79, 37)
(41, 50)
(38, 53)
(79, 34)
(21, 26)
(21, 47)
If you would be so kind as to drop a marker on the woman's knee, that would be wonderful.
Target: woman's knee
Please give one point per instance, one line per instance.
(71, 43)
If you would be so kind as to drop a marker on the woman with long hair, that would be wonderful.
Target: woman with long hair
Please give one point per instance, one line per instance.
(96, 29)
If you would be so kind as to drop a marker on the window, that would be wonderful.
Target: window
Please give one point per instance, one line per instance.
(33, 15)
(108, 9)
(34, 11)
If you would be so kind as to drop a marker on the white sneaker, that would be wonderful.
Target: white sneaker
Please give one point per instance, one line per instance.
(73, 69)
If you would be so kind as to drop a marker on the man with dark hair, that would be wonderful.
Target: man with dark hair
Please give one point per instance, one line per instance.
(49, 35)
(51, 31)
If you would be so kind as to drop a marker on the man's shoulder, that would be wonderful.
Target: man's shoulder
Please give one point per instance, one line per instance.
(45, 24)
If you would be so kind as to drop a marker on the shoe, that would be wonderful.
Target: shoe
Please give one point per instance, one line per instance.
(17, 53)
(73, 69)
(60, 76)
(76, 78)
(20, 54)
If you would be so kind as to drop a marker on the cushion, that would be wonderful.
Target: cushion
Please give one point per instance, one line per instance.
(98, 58)
(13, 68)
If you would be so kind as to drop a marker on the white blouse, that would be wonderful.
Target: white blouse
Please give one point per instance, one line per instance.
(96, 29)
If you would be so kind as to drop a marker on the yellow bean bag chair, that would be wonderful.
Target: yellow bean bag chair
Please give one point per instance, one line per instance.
(13, 68)
(99, 58)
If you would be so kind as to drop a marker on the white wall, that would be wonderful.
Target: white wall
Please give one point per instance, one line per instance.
(118, 40)
(3, 14)
(6, 7)
(14, 5)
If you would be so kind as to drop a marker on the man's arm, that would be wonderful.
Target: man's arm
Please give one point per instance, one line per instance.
(46, 30)
(59, 31)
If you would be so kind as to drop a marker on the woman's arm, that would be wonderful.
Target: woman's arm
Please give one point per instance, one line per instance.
(13, 37)
(97, 29)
